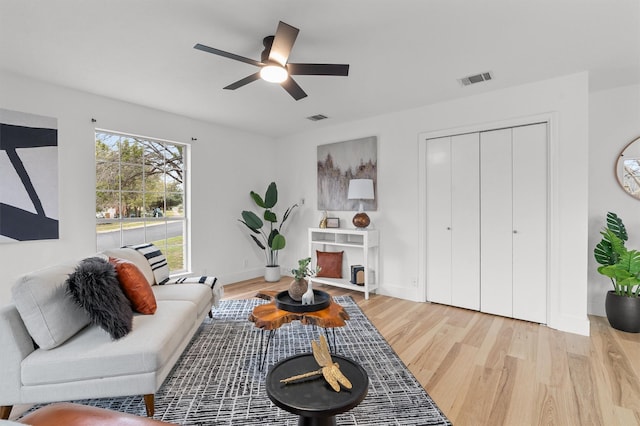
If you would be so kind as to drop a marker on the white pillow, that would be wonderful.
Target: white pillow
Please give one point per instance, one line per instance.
(49, 313)
(135, 257)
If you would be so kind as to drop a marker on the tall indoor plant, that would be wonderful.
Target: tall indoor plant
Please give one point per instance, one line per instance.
(268, 239)
(622, 266)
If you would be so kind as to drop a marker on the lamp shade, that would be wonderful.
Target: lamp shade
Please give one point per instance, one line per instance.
(360, 189)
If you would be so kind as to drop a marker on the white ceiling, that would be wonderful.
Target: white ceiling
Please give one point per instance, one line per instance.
(402, 53)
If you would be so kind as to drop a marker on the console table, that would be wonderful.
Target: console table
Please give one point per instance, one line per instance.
(361, 248)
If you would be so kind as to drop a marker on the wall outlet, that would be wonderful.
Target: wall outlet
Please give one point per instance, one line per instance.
(245, 263)
(301, 201)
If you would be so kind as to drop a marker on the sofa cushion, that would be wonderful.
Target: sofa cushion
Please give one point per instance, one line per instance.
(94, 286)
(198, 294)
(135, 286)
(91, 354)
(48, 312)
(134, 256)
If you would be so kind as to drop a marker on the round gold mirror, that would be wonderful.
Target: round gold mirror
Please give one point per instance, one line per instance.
(628, 168)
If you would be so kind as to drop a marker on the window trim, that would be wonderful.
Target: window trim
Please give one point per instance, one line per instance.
(186, 193)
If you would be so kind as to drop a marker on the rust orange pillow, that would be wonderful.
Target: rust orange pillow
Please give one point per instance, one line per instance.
(330, 263)
(135, 286)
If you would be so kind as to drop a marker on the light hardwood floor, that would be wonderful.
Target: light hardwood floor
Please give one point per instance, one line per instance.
(487, 370)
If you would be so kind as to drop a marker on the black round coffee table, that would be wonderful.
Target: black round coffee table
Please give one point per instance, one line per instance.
(313, 399)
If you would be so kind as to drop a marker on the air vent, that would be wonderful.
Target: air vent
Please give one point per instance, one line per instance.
(477, 78)
(317, 117)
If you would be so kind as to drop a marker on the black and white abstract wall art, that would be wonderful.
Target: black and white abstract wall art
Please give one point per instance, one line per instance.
(340, 162)
(28, 177)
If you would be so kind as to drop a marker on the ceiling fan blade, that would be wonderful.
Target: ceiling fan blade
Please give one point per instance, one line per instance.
(318, 69)
(243, 82)
(293, 88)
(227, 55)
(283, 43)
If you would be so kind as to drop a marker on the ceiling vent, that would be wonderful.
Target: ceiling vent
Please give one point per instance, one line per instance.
(477, 78)
(317, 117)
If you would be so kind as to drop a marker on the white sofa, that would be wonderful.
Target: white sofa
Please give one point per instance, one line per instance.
(89, 364)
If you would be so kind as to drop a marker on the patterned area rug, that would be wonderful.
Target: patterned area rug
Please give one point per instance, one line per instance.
(217, 380)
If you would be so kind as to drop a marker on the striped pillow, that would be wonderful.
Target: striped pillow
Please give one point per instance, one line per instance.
(157, 261)
(210, 281)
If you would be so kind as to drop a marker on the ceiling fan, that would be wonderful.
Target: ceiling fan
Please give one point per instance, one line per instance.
(273, 62)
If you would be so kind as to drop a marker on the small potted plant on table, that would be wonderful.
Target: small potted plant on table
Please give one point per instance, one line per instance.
(299, 287)
(622, 266)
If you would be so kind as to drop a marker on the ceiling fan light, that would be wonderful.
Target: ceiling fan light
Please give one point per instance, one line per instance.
(274, 73)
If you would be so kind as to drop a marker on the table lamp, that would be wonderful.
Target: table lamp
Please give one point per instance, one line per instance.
(361, 189)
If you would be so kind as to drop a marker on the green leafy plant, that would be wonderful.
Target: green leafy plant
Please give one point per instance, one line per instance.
(271, 240)
(304, 270)
(621, 265)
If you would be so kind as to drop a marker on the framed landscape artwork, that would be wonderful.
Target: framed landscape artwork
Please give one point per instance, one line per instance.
(340, 162)
(29, 176)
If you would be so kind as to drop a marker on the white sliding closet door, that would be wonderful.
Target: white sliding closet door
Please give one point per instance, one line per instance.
(513, 230)
(487, 221)
(496, 227)
(453, 223)
(530, 222)
(438, 176)
(465, 221)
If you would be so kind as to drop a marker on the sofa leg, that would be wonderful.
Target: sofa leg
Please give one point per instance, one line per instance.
(149, 404)
(210, 314)
(5, 410)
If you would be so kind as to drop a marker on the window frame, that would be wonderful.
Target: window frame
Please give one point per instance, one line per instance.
(145, 218)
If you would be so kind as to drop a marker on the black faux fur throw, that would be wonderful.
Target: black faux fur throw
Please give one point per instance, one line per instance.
(95, 287)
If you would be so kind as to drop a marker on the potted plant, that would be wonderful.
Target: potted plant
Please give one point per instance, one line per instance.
(299, 285)
(270, 240)
(622, 266)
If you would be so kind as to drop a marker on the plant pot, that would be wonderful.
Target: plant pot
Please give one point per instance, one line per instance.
(297, 288)
(272, 274)
(623, 312)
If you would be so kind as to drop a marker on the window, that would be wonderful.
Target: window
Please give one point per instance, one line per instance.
(140, 195)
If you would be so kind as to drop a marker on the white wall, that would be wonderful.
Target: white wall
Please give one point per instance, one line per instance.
(226, 164)
(614, 121)
(398, 171)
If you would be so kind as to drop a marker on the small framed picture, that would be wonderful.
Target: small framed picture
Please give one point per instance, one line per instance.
(333, 222)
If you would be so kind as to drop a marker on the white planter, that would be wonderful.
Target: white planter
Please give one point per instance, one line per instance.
(271, 274)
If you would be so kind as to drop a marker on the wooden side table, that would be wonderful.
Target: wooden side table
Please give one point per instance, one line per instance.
(313, 399)
(268, 317)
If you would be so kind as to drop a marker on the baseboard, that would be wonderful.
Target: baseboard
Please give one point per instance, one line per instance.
(240, 276)
(573, 325)
(410, 293)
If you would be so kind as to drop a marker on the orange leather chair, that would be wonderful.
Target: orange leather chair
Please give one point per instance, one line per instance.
(68, 414)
